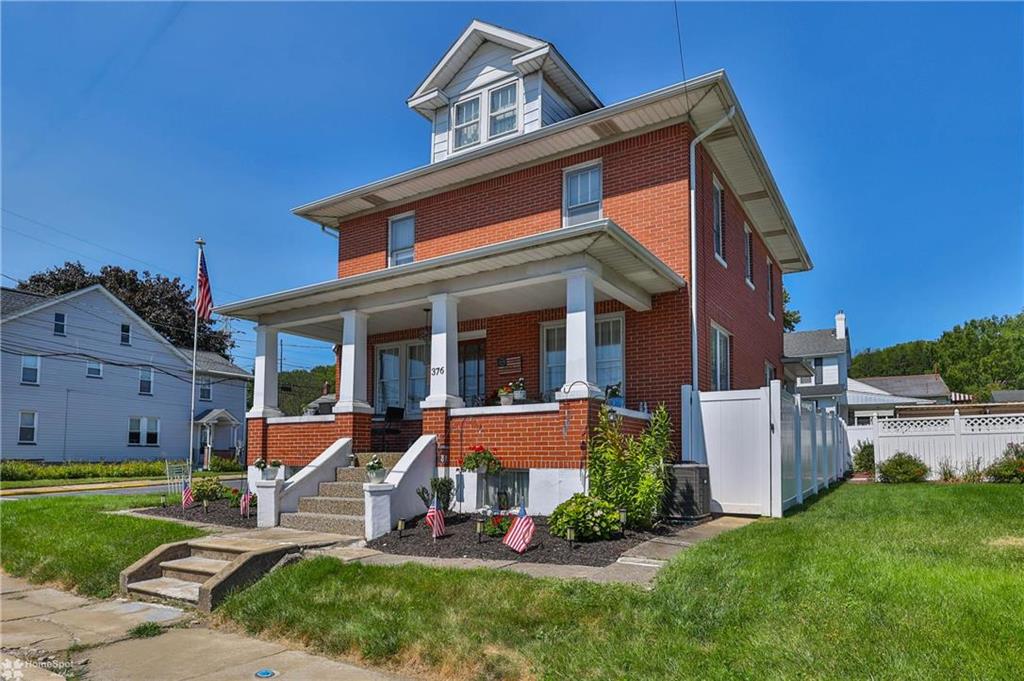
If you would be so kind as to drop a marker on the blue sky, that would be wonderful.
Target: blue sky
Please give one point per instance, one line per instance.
(896, 133)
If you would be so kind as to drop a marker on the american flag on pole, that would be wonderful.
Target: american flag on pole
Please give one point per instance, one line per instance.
(245, 502)
(521, 531)
(435, 519)
(186, 494)
(204, 295)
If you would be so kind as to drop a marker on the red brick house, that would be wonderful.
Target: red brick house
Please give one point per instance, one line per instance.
(551, 238)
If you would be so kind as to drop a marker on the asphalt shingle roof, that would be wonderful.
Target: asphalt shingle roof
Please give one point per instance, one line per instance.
(916, 385)
(1008, 395)
(813, 343)
(211, 361)
(13, 301)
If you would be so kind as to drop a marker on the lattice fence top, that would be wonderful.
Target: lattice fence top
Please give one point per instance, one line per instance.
(997, 423)
(915, 426)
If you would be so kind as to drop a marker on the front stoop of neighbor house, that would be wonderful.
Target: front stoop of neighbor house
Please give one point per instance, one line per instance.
(338, 506)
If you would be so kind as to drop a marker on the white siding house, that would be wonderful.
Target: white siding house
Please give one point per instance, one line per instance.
(827, 353)
(86, 379)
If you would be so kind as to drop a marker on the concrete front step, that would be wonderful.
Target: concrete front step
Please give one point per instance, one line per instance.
(351, 475)
(351, 490)
(192, 569)
(324, 522)
(222, 549)
(388, 458)
(335, 505)
(167, 587)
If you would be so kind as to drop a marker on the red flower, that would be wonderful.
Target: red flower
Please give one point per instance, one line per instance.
(478, 448)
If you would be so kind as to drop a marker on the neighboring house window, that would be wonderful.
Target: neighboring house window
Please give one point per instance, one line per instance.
(720, 352)
(93, 369)
(126, 334)
(609, 332)
(59, 324)
(144, 431)
(819, 370)
(472, 362)
(205, 388)
(467, 123)
(718, 219)
(30, 369)
(582, 194)
(417, 360)
(553, 358)
(146, 381)
(503, 110)
(505, 489)
(769, 373)
(27, 423)
(771, 289)
(748, 250)
(401, 239)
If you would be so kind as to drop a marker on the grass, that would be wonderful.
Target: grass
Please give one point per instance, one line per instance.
(145, 630)
(59, 482)
(870, 581)
(72, 542)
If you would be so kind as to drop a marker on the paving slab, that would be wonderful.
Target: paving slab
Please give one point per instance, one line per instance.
(15, 668)
(295, 665)
(623, 573)
(655, 550)
(459, 563)
(110, 620)
(554, 571)
(32, 632)
(38, 601)
(348, 554)
(9, 584)
(285, 535)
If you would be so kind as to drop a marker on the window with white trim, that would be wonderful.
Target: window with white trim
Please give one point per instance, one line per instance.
(503, 111)
(466, 123)
(30, 369)
(748, 252)
(771, 289)
(205, 388)
(552, 357)
(718, 219)
(721, 343)
(143, 431)
(28, 422)
(417, 359)
(505, 489)
(59, 324)
(401, 239)
(609, 342)
(93, 369)
(582, 193)
(126, 334)
(145, 380)
(402, 371)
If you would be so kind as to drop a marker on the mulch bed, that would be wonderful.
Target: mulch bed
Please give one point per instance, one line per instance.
(220, 513)
(460, 541)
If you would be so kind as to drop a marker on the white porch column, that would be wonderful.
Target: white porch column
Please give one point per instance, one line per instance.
(264, 389)
(444, 353)
(352, 384)
(580, 348)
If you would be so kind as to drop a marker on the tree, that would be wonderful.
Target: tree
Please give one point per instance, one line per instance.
(790, 317)
(166, 304)
(902, 359)
(299, 387)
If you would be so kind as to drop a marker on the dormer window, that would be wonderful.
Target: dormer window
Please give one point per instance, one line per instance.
(503, 110)
(467, 123)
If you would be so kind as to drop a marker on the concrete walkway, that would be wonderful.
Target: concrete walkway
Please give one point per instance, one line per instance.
(639, 565)
(60, 634)
(129, 486)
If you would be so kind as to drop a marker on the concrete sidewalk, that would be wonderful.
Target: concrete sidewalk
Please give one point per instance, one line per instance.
(60, 634)
(101, 486)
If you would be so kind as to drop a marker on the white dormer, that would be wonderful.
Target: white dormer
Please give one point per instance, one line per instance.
(493, 84)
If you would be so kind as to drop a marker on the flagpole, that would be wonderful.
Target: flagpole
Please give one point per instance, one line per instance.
(195, 350)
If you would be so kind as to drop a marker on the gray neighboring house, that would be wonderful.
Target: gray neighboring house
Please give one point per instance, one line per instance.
(1003, 396)
(86, 379)
(827, 353)
(920, 386)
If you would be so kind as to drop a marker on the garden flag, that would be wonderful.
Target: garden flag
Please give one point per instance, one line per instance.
(521, 532)
(186, 494)
(435, 519)
(204, 295)
(244, 503)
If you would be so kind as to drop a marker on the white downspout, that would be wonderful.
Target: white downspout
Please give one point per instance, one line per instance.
(694, 340)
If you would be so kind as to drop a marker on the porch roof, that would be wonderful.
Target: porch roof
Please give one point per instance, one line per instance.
(624, 269)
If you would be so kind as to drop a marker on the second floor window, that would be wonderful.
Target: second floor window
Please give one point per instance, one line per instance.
(146, 381)
(819, 370)
(126, 334)
(503, 110)
(205, 388)
(401, 239)
(30, 369)
(582, 194)
(718, 220)
(771, 290)
(466, 126)
(59, 324)
(748, 250)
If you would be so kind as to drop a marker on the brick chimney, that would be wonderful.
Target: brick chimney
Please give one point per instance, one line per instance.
(840, 325)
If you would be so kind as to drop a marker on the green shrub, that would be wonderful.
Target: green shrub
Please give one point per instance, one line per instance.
(208, 489)
(221, 464)
(902, 467)
(497, 525)
(24, 470)
(444, 488)
(864, 457)
(947, 471)
(629, 472)
(1009, 467)
(591, 518)
(973, 472)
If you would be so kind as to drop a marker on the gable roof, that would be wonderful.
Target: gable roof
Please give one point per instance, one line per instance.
(816, 343)
(532, 54)
(209, 362)
(916, 385)
(13, 301)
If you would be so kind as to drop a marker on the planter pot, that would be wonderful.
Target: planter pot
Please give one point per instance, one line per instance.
(616, 402)
(377, 476)
(270, 472)
(519, 394)
(506, 400)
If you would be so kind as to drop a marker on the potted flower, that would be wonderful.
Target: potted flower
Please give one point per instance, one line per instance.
(613, 395)
(265, 472)
(481, 460)
(375, 470)
(505, 395)
(518, 388)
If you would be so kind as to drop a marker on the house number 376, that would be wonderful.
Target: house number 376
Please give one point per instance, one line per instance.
(436, 371)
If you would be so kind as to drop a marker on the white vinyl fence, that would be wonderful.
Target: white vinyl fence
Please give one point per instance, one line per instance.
(766, 450)
(960, 441)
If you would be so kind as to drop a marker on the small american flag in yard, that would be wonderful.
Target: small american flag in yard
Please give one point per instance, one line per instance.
(244, 503)
(521, 532)
(435, 519)
(186, 494)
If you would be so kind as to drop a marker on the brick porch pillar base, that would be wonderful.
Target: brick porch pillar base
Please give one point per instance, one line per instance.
(256, 440)
(580, 417)
(435, 422)
(355, 425)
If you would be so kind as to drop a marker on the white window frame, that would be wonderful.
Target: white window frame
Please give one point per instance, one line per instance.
(144, 422)
(391, 251)
(411, 411)
(516, 107)
(205, 383)
(129, 327)
(481, 117)
(484, 121)
(621, 316)
(152, 376)
(35, 427)
(716, 383)
(718, 220)
(748, 255)
(90, 364)
(566, 172)
(63, 324)
(771, 289)
(38, 367)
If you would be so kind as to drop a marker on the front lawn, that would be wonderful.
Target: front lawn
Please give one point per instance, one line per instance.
(72, 542)
(873, 581)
